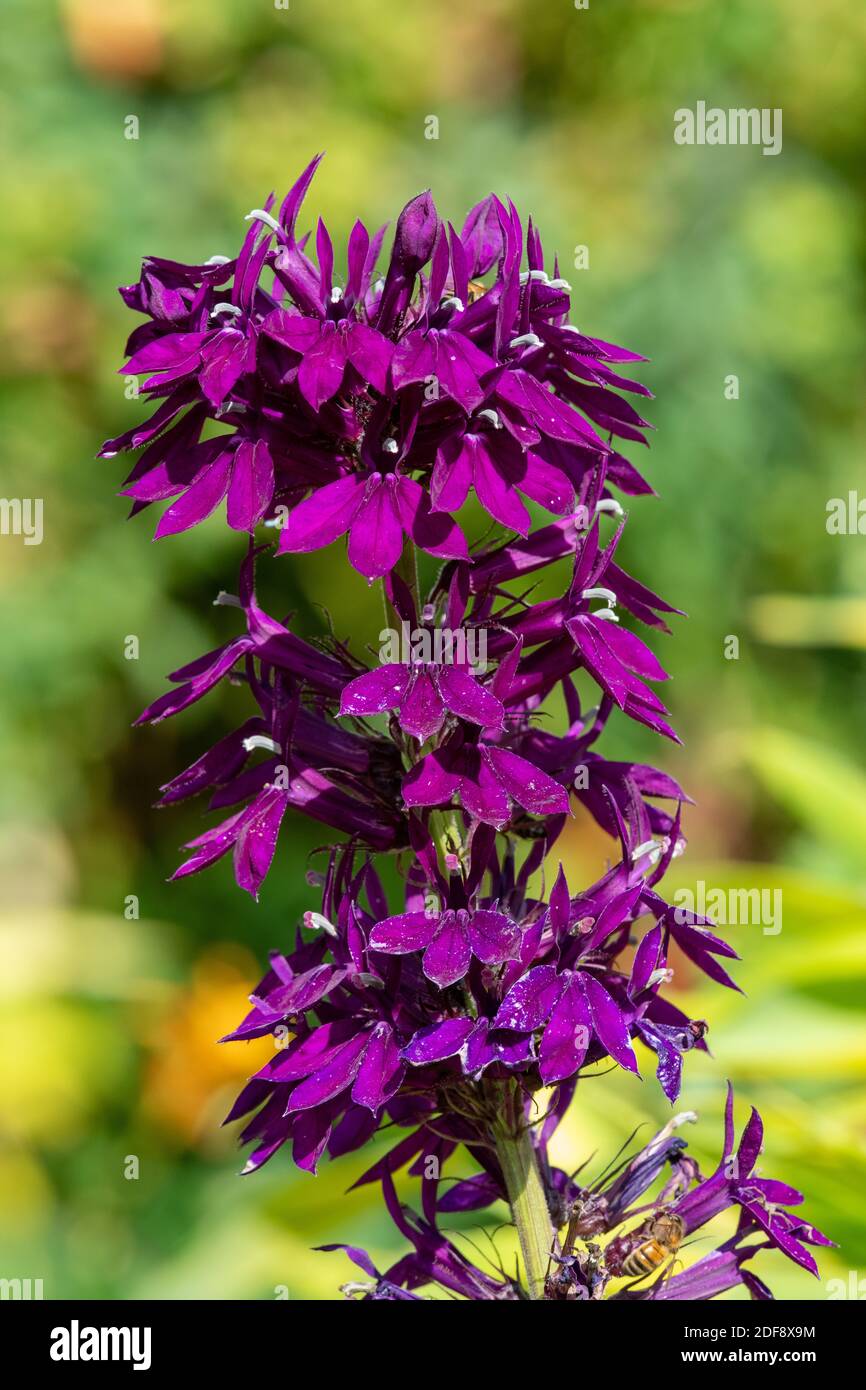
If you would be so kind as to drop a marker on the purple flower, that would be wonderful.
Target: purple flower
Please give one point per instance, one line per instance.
(449, 940)
(424, 693)
(378, 510)
(320, 398)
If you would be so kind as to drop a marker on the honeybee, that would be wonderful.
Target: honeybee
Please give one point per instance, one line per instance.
(663, 1238)
(476, 289)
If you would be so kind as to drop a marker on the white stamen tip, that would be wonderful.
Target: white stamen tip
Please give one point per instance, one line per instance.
(259, 215)
(217, 260)
(226, 600)
(492, 417)
(526, 340)
(610, 505)
(659, 977)
(316, 922)
(647, 847)
(390, 446)
(453, 302)
(224, 307)
(559, 285)
(528, 275)
(606, 613)
(336, 294)
(599, 592)
(260, 741)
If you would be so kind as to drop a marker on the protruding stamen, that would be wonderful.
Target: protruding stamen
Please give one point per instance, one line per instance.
(648, 847)
(492, 418)
(528, 275)
(316, 922)
(217, 260)
(559, 285)
(259, 215)
(662, 976)
(526, 340)
(261, 741)
(224, 307)
(599, 592)
(453, 302)
(610, 505)
(606, 613)
(336, 294)
(226, 600)
(390, 446)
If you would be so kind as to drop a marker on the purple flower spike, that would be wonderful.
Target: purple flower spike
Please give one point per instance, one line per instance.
(329, 396)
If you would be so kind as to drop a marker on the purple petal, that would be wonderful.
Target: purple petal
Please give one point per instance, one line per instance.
(608, 1022)
(199, 500)
(528, 1003)
(375, 691)
(409, 931)
(566, 1037)
(376, 535)
(332, 1078)
(422, 713)
(527, 784)
(251, 486)
(439, 1041)
(447, 958)
(381, 1071)
(493, 937)
(466, 698)
(323, 517)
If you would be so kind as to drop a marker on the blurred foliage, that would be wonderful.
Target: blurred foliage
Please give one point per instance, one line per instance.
(712, 261)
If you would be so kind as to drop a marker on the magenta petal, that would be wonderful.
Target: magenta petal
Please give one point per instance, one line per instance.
(527, 784)
(370, 354)
(165, 354)
(376, 535)
(493, 937)
(223, 361)
(497, 494)
(435, 532)
(439, 1041)
(467, 699)
(566, 1037)
(199, 500)
(447, 958)
(452, 474)
(429, 783)
(323, 517)
(375, 691)
(422, 712)
(257, 842)
(647, 958)
(252, 485)
(321, 371)
(338, 1073)
(483, 795)
(409, 931)
(608, 1022)
(293, 330)
(528, 1003)
(380, 1072)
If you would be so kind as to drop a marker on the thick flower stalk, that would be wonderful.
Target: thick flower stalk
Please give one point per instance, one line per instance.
(374, 406)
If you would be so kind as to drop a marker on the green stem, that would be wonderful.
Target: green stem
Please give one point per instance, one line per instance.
(516, 1154)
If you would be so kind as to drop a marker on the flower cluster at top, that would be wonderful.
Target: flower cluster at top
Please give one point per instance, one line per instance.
(370, 405)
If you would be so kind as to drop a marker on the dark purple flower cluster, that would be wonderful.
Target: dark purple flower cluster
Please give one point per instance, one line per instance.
(371, 408)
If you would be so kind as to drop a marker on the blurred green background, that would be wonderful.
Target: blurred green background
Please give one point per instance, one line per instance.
(712, 261)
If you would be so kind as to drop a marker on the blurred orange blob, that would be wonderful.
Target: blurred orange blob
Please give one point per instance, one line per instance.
(191, 1080)
(116, 40)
